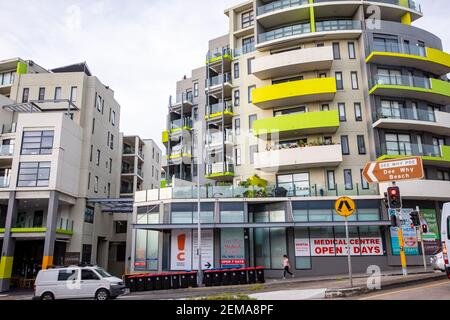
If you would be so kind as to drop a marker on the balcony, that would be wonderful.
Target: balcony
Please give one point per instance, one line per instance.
(215, 84)
(295, 93)
(426, 59)
(6, 150)
(4, 182)
(216, 111)
(299, 158)
(293, 62)
(216, 57)
(301, 32)
(180, 153)
(9, 128)
(423, 189)
(184, 99)
(297, 125)
(220, 171)
(421, 88)
(218, 139)
(431, 154)
(180, 125)
(436, 122)
(283, 11)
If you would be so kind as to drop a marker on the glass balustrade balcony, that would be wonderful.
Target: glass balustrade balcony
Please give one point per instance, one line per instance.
(6, 150)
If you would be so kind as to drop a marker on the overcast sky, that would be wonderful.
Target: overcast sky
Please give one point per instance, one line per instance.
(138, 47)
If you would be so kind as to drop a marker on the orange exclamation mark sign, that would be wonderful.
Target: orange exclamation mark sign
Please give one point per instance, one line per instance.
(181, 247)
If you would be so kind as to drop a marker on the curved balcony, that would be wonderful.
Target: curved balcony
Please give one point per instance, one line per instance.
(435, 122)
(426, 59)
(293, 62)
(297, 125)
(431, 90)
(431, 155)
(295, 92)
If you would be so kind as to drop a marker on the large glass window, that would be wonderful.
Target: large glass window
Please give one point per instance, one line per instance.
(148, 215)
(320, 211)
(34, 174)
(247, 19)
(348, 180)
(302, 249)
(398, 144)
(248, 45)
(231, 212)
(146, 253)
(345, 145)
(89, 215)
(37, 142)
(295, 184)
(391, 109)
(300, 211)
(269, 213)
(270, 247)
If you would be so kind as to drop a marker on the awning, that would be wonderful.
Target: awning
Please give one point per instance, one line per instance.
(114, 205)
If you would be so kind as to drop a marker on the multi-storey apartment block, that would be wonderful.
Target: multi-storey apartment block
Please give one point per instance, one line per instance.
(287, 111)
(60, 164)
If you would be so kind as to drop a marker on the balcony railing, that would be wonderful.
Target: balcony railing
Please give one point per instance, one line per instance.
(405, 114)
(181, 123)
(185, 97)
(401, 80)
(280, 5)
(244, 50)
(220, 107)
(213, 56)
(284, 32)
(218, 138)
(9, 128)
(411, 149)
(4, 181)
(128, 150)
(180, 150)
(395, 47)
(6, 150)
(220, 79)
(140, 172)
(218, 168)
(338, 25)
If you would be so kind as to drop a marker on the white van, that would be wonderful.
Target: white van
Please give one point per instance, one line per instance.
(445, 230)
(76, 282)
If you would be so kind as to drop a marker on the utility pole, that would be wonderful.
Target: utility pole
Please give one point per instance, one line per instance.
(422, 241)
(199, 226)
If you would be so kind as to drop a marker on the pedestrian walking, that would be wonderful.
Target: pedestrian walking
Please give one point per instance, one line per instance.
(286, 267)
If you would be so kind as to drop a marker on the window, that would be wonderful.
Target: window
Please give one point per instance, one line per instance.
(325, 107)
(391, 109)
(322, 75)
(89, 181)
(120, 226)
(121, 252)
(355, 84)
(108, 190)
(58, 93)
(336, 51)
(358, 112)
(295, 184)
(231, 212)
(6, 78)
(93, 125)
(331, 181)
(351, 50)
(250, 93)
(247, 19)
(364, 183)
(41, 94)
(91, 154)
(237, 98)
(37, 142)
(89, 215)
(236, 70)
(296, 110)
(110, 165)
(98, 158)
(249, 65)
(348, 180)
(339, 81)
(443, 175)
(68, 274)
(196, 90)
(237, 126)
(73, 94)
(113, 118)
(248, 45)
(398, 144)
(342, 112)
(251, 119)
(25, 95)
(252, 152)
(361, 145)
(345, 145)
(98, 102)
(34, 174)
(111, 142)
(86, 253)
(237, 152)
(89, 275)
(96, 184)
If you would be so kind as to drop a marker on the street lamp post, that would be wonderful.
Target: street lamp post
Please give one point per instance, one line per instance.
(199, 226)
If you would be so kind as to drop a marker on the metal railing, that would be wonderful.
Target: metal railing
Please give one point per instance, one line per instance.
(220, 107)
(9, 128)
(401, 80)
(405, 114)
(395, 47)
(4, 181)
(218, 53)
(181, 123)
(284, 32)
(395, 148)
(220, 79)
(220, 167)
(338, 25)
(280, 5)
(218, 138)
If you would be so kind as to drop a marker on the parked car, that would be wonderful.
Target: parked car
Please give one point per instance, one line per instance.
(76, 282)
(437, 261)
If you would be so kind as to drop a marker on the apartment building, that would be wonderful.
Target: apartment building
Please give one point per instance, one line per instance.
(60, 156)
(282, 119)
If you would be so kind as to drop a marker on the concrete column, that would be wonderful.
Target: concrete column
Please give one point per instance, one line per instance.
(7, 254)
(50, 233)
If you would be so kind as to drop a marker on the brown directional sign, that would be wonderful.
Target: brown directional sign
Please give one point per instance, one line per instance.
(394, 170)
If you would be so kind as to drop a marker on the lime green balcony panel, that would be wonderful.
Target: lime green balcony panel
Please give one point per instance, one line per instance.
(439, 93)
(220, 175)
(37, 230)
(434, 60)
(296, 125)
(295, 92)
(219, 115)
(226, 56)
(165, 136)
(443, 160)
(22, 68)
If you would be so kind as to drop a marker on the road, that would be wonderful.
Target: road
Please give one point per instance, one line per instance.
(438, 290)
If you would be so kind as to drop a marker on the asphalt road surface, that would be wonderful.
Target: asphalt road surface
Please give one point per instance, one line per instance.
(437, 290)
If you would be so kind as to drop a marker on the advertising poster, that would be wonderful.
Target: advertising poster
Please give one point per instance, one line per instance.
(181, 250)
(432, 239)
(410, 239)
(302, 248)
(207, 247)
(232, 248)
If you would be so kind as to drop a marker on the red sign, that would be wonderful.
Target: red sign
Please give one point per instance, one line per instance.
(394, 170)
(229, 262)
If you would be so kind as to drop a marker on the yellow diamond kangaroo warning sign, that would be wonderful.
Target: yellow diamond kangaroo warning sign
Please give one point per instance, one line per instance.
(345, 206)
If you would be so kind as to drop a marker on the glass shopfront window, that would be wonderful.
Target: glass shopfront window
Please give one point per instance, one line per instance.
(186, 213)
(206, 213)
(302, 249)
(300, 211)
(148, 215)
(231, 212)
(269, 212)
(232, 248)
(146, 252)
(270, 247)
(321, 211)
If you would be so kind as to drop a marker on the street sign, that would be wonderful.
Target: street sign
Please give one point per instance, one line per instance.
(345, 206)
(394, 170)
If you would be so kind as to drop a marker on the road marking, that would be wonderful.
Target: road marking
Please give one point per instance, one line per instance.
(406, 290)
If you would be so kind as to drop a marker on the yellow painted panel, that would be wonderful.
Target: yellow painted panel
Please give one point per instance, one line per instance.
(6, 264)
(407, 19)
(438, 56)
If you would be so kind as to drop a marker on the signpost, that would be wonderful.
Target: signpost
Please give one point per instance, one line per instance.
(403, 169)
(394, 170)
(345, 207)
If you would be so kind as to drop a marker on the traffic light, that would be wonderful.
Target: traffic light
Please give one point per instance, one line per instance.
(394, 221)
(386, 201)
(415, 219)
(394, 198)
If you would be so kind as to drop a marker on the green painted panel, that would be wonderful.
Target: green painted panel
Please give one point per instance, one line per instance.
(22, 68)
